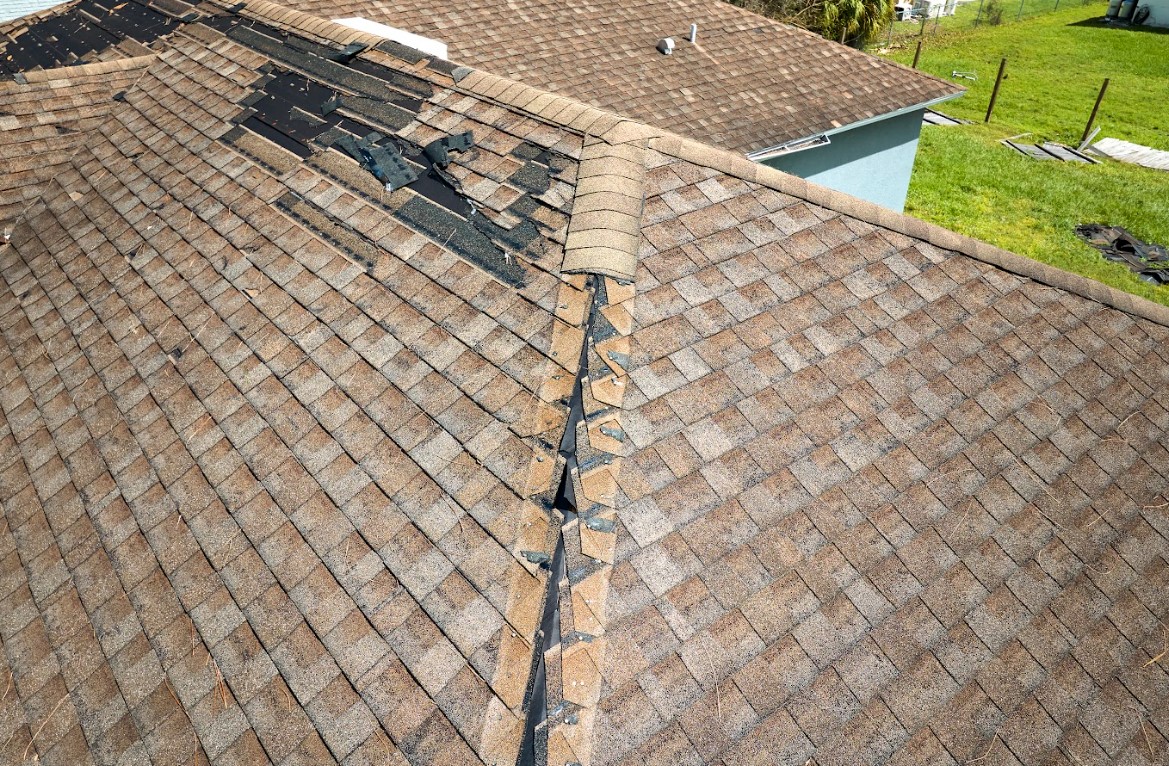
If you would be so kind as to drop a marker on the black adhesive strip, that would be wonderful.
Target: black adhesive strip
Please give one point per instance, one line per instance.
(359, 249)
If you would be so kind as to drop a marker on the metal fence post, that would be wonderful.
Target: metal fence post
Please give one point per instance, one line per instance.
(1095, 108)
(994, 94)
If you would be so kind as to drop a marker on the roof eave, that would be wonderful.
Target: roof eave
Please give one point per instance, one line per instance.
(760, 155)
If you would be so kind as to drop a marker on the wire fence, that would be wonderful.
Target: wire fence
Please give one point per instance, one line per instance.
(921, 18)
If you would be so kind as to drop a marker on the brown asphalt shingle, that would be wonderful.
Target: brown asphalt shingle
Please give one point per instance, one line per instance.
(751, 83)
(44, 121)
(277, 460)
(866, 565)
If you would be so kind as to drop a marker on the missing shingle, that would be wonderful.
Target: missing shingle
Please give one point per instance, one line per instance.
(354, 246)
(359, 76)
(85, 29)
(461, 237)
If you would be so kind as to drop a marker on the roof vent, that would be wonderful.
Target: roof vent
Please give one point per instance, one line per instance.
(666, 45)
(693, 33)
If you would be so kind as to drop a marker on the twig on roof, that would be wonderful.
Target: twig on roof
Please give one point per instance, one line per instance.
(42, 726)
(1099, 518)
(989, 747)
(174, 696)
(195, 334)
(1148, 741)
(1098, 570)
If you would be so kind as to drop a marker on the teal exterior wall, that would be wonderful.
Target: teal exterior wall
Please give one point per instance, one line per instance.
(872, 161)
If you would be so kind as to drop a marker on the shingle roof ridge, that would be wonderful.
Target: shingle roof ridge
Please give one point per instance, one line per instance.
(286, 18)
(69, 73)
(616, 130)
(868, 212)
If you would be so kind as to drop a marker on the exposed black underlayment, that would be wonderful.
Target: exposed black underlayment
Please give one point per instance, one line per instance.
(534, 746)
(358, 76)
(309, 111)
(77, 35)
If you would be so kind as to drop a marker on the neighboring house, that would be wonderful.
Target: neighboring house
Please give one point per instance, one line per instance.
(777, 94)
(588, 443)
(15, 9)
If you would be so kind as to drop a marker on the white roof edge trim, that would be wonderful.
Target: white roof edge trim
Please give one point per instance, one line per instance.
(409, 39)
(771, 151)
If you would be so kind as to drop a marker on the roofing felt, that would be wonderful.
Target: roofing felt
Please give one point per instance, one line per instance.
(287, 458)
(751, 83)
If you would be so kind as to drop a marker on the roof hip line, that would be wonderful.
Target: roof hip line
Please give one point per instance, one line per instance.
(86, 70)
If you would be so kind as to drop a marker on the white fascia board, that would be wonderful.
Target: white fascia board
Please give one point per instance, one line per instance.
(773, 151)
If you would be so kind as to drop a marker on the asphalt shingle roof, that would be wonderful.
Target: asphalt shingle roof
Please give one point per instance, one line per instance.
(750, 84)
(286, 459)
(45, 121)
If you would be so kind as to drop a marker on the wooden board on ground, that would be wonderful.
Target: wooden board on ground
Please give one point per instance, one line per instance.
(1126, 151)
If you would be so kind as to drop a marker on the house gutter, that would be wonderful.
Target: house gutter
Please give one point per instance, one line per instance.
(784, 148)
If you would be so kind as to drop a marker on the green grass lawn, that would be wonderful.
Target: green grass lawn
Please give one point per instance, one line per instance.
(965, 180)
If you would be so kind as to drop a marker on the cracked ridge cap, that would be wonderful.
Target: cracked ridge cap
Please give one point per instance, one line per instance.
(87, 70)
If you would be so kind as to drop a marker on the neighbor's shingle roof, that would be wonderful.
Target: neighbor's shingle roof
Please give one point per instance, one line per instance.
(278, 449)
(14, 9)
(751, 83)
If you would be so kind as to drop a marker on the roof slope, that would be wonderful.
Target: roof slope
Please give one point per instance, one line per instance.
(282, 483)
(45, 119)
(881, 500)
(750, 84)
(279, 473)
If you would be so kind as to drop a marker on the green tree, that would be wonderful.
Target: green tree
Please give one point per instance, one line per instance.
(852, 22)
